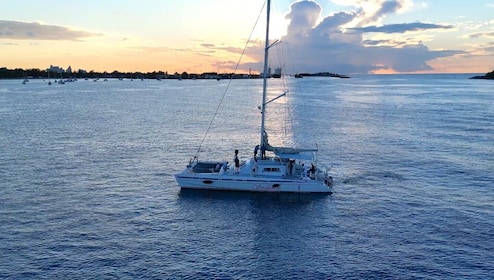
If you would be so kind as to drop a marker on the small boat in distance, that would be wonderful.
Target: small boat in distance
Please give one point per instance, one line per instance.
(271, 169)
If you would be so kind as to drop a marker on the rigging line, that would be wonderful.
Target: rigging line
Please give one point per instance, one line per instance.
(229, 83)
(282, 53)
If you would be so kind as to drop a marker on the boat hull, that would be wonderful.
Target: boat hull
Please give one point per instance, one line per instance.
(238, 182)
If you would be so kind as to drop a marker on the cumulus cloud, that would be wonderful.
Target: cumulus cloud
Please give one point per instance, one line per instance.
(336, 43)
(36, 31)
(373, 11)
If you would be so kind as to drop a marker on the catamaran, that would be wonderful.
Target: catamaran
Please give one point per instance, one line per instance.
(271, 169)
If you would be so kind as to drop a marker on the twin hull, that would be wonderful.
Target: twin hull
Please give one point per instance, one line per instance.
(247, 183)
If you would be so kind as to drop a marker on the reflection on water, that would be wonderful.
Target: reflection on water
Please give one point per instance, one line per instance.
(88, 190)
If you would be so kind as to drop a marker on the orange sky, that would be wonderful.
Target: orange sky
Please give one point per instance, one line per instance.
(353, 36)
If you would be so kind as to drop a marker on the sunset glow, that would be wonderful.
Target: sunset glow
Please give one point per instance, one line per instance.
(397, 36)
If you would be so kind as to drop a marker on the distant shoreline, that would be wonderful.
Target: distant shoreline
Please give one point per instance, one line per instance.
(488, 76)
(19, 73)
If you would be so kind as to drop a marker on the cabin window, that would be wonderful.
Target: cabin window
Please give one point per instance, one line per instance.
(271, 169)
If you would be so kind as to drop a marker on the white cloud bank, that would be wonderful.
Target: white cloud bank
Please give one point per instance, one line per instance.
(336, 43)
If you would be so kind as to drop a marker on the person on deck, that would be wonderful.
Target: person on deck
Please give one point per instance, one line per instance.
(290, 167)
(255, 168)
(312, 170)
(237, 162)
(256, 149)
(305, 170)
(223, 168)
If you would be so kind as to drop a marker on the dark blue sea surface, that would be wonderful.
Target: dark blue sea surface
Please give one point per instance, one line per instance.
(87, 188)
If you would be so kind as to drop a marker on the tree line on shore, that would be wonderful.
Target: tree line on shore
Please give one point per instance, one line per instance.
(34, 73)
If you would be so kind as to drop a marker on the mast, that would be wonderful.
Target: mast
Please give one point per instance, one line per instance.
(265, 74)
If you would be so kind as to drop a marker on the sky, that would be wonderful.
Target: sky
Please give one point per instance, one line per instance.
(196, 36)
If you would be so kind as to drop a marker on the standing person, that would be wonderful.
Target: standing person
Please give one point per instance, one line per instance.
(254, 168)
(305, 170)
(256, 149)
(312, 170)
(290, 167)
(237, 162)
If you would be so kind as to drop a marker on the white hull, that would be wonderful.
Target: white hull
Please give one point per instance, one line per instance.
(249, 184)
(246, 180)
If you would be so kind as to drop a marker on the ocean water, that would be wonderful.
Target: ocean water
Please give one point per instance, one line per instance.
(87, 188)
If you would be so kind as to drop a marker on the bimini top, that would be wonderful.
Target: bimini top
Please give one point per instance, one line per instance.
(294, 153)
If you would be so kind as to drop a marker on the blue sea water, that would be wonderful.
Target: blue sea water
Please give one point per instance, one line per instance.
(87, 188)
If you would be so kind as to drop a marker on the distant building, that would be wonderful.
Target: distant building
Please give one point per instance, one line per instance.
(268, 74)
(209, 75)
(69, 70)
(56, 69)
(277, 73)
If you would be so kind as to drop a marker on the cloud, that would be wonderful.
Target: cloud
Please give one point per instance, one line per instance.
(482, 35)
(336, 42)
(36, 31)
(373, 11)
(9, 44)
(385, 7)
(387, 42)
(207, 45)
(402, 28)
(486, 49)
